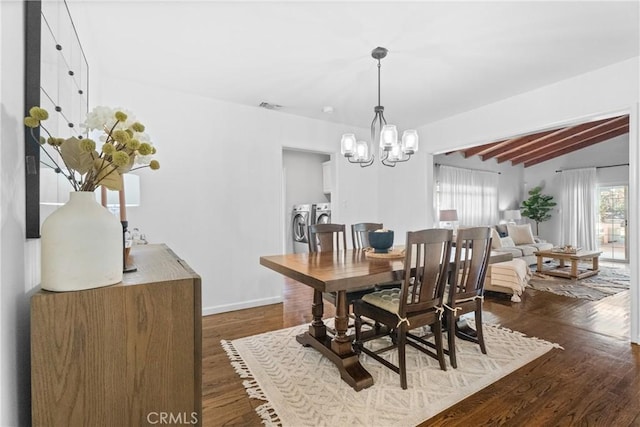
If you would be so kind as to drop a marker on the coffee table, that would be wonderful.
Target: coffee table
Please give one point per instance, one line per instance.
(573, 272)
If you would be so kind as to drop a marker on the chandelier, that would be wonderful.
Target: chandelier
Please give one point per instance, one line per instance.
(391, 150)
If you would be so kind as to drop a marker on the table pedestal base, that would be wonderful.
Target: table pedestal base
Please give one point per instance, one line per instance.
(351, 371)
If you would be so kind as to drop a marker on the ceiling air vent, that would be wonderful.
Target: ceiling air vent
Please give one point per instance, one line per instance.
(270, 106)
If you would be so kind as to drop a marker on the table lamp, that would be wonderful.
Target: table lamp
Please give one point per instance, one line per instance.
(511, 216)
(128, 196)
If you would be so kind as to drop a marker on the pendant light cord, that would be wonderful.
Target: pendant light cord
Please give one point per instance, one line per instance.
(378, 82)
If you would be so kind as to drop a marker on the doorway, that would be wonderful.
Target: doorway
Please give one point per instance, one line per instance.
(612, 222)
(302, 187)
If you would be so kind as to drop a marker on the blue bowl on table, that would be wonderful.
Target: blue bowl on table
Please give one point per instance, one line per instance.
(381, 241)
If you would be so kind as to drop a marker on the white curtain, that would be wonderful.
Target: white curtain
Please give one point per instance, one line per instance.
(474, 194)
(579, 203)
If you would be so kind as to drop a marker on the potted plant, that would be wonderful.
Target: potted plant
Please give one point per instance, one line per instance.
(538, 206)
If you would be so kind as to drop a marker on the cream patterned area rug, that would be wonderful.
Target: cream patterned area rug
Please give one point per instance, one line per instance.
(300, 387)
(609, 281)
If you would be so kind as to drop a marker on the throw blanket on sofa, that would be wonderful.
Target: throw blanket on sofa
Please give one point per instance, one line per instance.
(513, 275)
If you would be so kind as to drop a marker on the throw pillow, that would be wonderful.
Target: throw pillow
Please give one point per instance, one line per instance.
(521, 234)
(507, 242)
(495, 239)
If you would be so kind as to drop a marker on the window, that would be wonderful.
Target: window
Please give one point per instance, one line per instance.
(474, 194)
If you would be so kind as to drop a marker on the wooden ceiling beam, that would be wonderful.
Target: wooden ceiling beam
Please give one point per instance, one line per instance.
(515, 144)
(469, 152)
(586, 142)
(539, 143)
(519, 146)
(551, 138)
(580, 134)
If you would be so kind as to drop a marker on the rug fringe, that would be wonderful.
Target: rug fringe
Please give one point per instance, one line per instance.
(254, 391)
(251, 386)
(268, 415)
(498, 326)
(237, 362)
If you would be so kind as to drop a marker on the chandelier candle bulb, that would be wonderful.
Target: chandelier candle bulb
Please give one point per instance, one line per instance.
(388, 137)
(395, 154)
(348, 144)
(410, 141)
(362, 151)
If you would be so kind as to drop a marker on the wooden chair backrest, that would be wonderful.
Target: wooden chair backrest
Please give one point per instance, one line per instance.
(327, 238)
(427, 255)
(360, 233)
(473, 248)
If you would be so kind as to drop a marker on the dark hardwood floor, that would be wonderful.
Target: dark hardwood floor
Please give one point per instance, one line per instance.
(594, 381)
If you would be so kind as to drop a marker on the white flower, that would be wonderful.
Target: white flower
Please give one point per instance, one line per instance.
(142, 137)
(98, 117)
(103, 118)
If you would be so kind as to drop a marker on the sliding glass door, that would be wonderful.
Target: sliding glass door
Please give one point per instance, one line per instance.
(612, 223)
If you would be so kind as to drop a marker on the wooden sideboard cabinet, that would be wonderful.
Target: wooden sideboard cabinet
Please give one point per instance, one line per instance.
(129, 354)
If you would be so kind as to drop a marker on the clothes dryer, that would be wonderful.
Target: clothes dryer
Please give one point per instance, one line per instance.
(301, 218)
(322, 213)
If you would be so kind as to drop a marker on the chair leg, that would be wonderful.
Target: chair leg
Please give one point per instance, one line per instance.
(358, 326)
(451, 335)
(479, 333)
(402, 362)
(439, 345)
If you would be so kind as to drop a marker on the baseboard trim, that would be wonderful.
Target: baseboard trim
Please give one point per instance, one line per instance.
(206, 311)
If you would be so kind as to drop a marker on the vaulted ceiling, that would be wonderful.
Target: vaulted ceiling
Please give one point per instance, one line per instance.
(445, 57)
(529, 150)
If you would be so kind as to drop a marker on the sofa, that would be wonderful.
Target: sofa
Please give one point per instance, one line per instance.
(518, 240)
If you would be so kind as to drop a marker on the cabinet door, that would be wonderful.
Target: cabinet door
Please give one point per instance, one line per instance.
(116, 355)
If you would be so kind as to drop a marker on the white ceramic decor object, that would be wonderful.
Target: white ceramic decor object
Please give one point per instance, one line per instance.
(81, 246)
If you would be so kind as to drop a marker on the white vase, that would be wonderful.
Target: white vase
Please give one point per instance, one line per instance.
(81, 246)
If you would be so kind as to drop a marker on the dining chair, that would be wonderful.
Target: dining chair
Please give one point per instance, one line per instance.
(418, 302)
(360, 240)
(360, 233)
(466, 287)
(327, 238)
(332, 238)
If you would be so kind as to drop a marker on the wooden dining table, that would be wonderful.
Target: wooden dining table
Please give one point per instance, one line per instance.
(340, 272)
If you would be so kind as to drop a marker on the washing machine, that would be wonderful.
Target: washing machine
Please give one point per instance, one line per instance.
(322, 213)
(301, 218)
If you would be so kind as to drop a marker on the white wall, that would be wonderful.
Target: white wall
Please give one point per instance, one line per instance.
(19, 265)
(222, 208)
(304, 176)
(612, 152)
(406, 196)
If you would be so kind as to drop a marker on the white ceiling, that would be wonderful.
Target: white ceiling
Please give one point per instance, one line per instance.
(444, 57)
